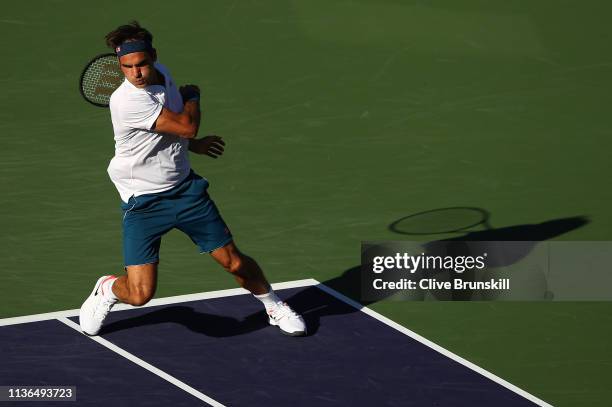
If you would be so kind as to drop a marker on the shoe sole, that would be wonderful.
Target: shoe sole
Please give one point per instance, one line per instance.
(296, 333)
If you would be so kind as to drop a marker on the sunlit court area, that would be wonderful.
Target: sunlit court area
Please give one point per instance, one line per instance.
(463, 146)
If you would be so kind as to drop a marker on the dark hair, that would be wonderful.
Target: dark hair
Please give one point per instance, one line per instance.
(131, 31)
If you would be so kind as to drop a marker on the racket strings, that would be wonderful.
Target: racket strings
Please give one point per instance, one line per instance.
(100, 79)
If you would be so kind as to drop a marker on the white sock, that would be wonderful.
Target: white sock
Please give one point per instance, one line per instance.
(107, 289)
(269, 299)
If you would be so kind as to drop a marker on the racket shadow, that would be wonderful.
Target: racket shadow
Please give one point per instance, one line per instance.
(524, 237)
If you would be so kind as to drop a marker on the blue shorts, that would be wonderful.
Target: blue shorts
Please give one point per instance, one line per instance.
(187, 207)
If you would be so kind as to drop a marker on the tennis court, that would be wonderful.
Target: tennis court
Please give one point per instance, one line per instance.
(343, 119)
(176, 350)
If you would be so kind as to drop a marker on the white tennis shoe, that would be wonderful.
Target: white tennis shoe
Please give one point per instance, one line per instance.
(289, 322)
(95, 308)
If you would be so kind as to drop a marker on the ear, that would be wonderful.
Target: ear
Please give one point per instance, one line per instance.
(154, 54)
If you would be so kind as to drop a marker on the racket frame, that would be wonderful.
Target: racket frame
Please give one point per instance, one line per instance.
(484, 221)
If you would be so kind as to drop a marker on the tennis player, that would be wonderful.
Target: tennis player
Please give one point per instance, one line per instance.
(155, 125)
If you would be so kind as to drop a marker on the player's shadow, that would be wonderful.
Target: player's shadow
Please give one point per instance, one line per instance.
(311, 302)
(504, 246)
(349, 282)
(314, 305)
(201, 322)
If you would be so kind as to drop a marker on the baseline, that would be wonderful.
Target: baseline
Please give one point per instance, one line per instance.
(156, 301)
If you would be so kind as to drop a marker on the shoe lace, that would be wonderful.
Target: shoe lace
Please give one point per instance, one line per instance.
(282, 310)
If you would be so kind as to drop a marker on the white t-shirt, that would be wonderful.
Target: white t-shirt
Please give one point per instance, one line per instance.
(146, 162)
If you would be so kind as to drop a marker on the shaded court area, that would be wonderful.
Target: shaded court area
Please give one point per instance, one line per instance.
(219, 350)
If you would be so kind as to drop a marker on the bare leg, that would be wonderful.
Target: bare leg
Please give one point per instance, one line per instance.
(248, 274)
(245, 270)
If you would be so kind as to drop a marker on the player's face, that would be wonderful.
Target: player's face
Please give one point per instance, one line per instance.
(138, 68)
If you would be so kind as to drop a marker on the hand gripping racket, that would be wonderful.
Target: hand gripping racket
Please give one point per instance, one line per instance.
(101, 76)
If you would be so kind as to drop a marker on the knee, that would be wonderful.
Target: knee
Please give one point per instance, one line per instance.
(140, 295)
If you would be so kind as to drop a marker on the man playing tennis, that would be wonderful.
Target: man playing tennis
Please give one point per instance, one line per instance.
(155, 126)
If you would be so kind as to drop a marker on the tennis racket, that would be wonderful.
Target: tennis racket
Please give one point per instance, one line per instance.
(101, 76)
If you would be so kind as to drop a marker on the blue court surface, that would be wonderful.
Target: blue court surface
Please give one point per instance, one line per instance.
(217, 349)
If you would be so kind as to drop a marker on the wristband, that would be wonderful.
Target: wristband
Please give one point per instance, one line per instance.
(194, 99)
(190, 95)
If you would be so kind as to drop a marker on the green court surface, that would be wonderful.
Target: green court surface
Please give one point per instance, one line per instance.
(340, 117)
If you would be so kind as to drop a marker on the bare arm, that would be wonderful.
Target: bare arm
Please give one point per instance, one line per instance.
(185, 124)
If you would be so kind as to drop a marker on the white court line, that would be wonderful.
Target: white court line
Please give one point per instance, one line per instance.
(155, 302)
(133, 358)
(295, 284)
